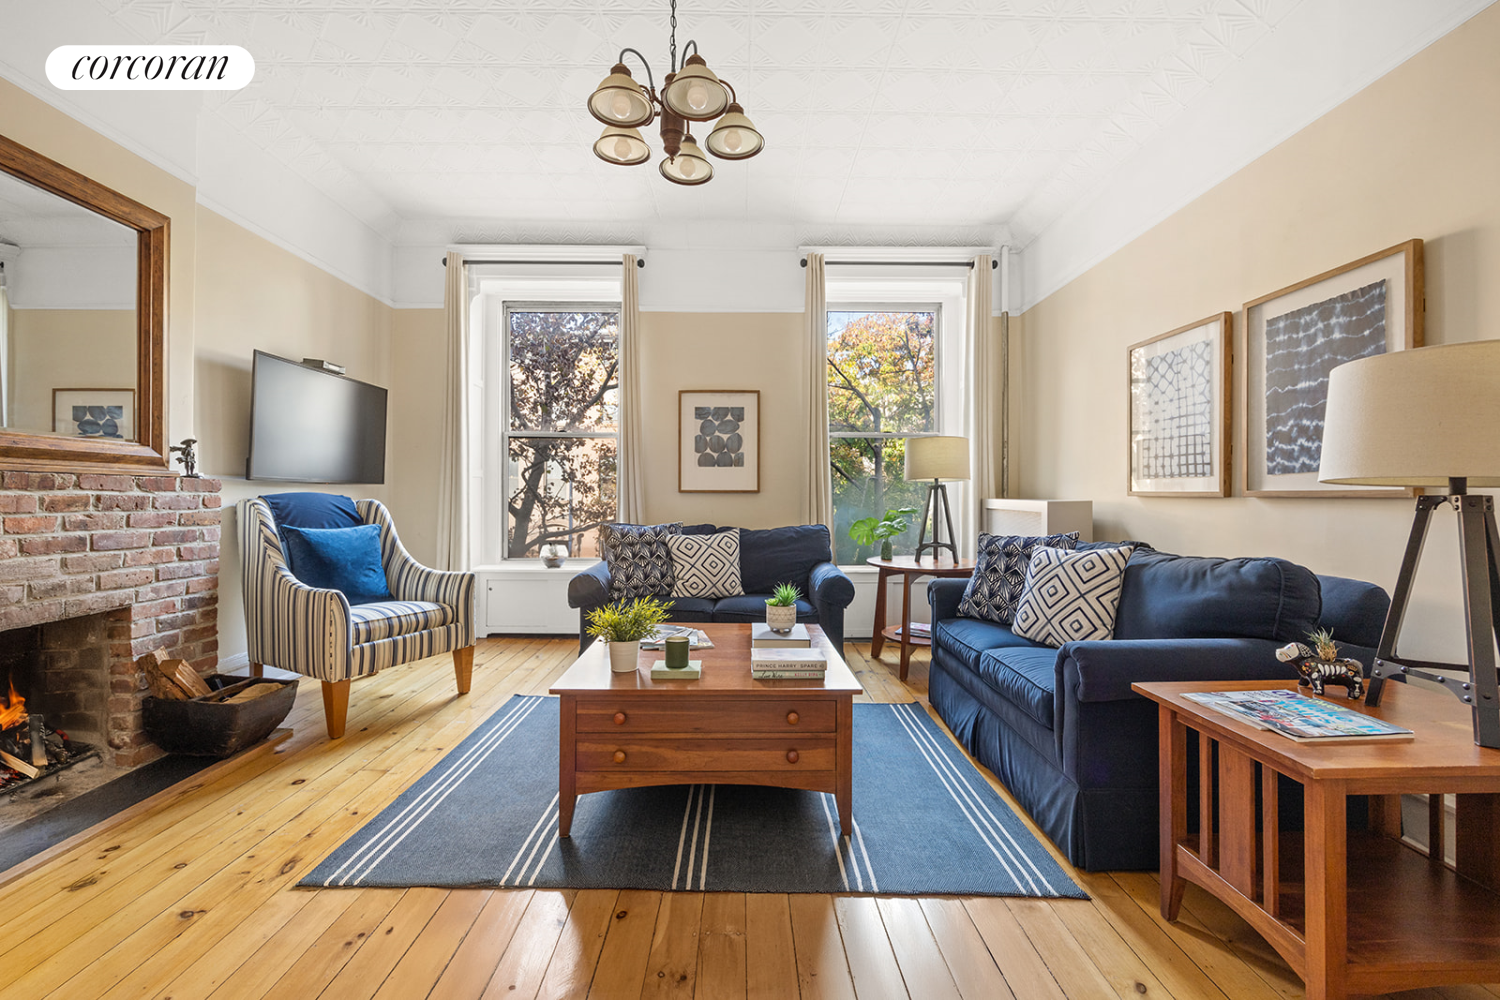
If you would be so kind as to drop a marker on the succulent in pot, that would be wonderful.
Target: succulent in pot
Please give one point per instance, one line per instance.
(623, 625)
(781, 607)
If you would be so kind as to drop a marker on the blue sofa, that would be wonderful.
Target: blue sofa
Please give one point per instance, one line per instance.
(801, 554)
(1061, 728)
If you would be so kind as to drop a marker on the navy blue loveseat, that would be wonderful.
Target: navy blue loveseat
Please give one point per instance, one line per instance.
(800, 554)
(1062, 729)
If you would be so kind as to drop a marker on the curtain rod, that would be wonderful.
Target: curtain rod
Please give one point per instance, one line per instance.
(902, 263)
(639, 262)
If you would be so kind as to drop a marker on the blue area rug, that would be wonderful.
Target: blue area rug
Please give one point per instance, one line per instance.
(925, 823)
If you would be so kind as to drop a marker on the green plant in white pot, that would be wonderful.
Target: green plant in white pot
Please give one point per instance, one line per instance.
(781, 607)
(623, 625)
(869, 530)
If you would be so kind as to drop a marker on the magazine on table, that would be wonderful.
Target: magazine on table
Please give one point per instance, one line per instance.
(1298, 716)
(697, 638)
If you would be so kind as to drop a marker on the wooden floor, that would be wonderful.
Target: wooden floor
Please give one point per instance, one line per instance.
(195, 899)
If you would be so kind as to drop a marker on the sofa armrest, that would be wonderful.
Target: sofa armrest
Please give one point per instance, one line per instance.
(829, 587)
(943, 596)
(590, 588)
(1101, 671)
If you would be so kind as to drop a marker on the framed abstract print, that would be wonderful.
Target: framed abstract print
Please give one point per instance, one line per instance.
(1178, 419)
(1293, 338)
(718, 441)
(94, 413)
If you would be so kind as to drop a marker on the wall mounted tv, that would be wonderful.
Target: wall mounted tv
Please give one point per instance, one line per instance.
(313, 426)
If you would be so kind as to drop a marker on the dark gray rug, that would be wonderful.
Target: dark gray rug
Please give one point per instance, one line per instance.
(925, 823)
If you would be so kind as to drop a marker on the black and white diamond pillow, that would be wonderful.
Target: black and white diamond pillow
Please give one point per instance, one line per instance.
(640, 565)
(1000, 574)
(706, 565)
(1071, 596)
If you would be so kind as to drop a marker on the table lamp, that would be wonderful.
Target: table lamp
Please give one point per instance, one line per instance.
(942, 460)
(1429, 417)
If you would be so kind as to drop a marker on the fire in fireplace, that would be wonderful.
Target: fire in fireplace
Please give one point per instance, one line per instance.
(29, 748)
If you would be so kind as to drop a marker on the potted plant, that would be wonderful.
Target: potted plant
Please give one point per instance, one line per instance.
(781, 607)
(623, 625)
(867, 530)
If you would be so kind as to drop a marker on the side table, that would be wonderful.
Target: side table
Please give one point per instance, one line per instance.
(909, 568)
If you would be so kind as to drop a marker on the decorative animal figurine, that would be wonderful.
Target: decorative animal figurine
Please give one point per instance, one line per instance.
(1322, 665)
(188, 458)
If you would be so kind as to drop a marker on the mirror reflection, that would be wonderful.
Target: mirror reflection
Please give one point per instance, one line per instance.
(67, 317)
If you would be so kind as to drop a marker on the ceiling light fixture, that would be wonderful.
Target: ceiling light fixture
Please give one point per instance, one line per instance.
(689, 94)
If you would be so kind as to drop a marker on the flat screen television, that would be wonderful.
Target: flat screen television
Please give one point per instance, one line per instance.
(313, 426)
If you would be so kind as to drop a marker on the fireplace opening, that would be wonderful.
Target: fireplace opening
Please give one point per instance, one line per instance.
(54, 699)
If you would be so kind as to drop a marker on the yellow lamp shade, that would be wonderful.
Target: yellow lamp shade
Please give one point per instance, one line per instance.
(622, 146)
(619, 100)
(689, 166)
(734, 138)
(942, 458)
(694, 92)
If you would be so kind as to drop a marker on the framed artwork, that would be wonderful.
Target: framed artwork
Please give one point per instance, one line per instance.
(106, 414)
(1178, 421)
(718, 434)
(1293, 338)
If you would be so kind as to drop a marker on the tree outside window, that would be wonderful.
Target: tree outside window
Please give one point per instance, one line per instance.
(561, 438)
(882, 389)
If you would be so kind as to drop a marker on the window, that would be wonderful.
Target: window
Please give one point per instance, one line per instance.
(560, 434)
(883, 387)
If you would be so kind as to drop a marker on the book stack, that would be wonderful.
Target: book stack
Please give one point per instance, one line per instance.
(787, 663)
(762, 636)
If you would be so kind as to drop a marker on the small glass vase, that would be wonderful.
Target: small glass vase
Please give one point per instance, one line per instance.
(887, 550)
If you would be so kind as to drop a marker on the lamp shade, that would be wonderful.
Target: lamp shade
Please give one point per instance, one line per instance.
(734, 138)
(689, 166)
(623, 146)
(620, 101)
(694, 93)
(1415, 418)
(942, 458)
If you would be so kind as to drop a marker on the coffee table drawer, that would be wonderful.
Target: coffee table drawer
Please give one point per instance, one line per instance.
(707, 715)
(732, 754)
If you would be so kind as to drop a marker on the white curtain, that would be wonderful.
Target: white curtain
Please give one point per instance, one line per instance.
(819, 502)
(453, 479)
(982, 408)
(632, 477)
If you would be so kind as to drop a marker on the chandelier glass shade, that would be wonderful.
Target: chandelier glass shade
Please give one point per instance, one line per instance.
(691, 93)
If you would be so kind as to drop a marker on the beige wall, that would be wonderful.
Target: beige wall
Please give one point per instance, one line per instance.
(66, 349)
(415, 426)
(1413, 155)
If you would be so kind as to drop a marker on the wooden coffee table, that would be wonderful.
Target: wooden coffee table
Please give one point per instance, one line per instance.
(627, 731)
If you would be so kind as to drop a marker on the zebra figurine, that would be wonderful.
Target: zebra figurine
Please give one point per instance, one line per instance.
(1314, 671)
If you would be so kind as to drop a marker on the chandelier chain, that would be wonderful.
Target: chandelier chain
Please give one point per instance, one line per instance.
(674, 36)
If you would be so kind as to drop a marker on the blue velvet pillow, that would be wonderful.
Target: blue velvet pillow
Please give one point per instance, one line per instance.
(346, 559)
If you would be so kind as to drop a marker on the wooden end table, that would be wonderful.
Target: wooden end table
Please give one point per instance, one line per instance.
(909, 568)
(1351, 911)
(627, 731)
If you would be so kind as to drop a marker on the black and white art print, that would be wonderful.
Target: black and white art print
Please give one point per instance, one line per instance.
(1295, 338)
(1179, 392)
(719, 441)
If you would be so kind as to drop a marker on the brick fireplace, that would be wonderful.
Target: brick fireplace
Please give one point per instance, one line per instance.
(135, 559)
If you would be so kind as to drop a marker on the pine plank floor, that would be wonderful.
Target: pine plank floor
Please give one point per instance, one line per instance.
(195, 899)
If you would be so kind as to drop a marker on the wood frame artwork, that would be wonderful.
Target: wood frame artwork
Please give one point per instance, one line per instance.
(94, 398)
(1177, 411)
(148, 452)
(1374, 305)
(696, 408)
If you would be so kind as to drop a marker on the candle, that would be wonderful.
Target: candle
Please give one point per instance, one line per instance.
(677, 647)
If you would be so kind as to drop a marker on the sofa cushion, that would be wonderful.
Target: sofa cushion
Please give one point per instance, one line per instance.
(1353, 609)
(387, 619)
(752, 608)
(1025, 677)
(342, 559)
(1000, 574)
(1194, 597)
(639, 563)
(1071, 596)
(781, 555)
(967, 638)
(706, 565)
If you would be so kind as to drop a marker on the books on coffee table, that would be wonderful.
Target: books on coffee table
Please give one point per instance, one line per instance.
(787, 663)
(762, 636)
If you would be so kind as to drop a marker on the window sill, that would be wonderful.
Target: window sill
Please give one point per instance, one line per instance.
(534, 567)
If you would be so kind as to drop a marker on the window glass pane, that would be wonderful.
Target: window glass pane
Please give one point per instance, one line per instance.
(881, 371)
(867, 482)
(560, 489)
(564, 370)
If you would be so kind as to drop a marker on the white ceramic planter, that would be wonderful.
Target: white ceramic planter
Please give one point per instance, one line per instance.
(781, 618)
(623, 656)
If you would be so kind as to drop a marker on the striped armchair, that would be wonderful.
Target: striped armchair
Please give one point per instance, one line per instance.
(317, 633)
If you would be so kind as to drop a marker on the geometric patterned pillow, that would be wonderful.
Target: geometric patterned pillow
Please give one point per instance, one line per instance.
(1071, 596)
(706, 565)
(640, 565)
(1000, 574)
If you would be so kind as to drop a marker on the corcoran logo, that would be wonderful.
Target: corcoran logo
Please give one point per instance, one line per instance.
(150, 67)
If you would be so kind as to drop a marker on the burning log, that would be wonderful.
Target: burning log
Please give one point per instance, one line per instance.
(19, 765)
(38, 741)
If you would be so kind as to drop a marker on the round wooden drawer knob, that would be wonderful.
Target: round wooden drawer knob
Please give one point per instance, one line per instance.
(619, 718)
(619, 756)
(792, 718)
(791, 757)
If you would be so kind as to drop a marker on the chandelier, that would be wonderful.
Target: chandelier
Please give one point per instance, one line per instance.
(689, 94)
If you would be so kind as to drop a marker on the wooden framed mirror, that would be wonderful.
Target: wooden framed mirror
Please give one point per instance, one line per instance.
(82, 338)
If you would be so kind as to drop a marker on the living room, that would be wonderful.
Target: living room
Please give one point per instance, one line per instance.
(1119, 172)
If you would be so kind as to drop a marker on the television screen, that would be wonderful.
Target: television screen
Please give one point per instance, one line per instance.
(312, 426)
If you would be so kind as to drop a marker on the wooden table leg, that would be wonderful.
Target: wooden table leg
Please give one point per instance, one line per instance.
(567, 774)
(1172, 761)
(906, 645)
(877, 642)
(844, 766)
(1326, 867)
(1477, 839)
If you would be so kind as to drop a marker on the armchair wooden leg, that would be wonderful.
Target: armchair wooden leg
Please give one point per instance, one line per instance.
(257, 669)
(335, 707)
(463, 667)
